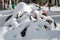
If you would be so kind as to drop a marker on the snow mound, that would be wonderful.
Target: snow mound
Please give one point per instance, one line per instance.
(22, 25)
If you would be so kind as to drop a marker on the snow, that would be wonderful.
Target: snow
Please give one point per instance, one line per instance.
(35, 30)
(45, 8)
(55, 8)
(6, 11)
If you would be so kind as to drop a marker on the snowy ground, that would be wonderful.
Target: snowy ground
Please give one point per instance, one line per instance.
(32, 35)
(26, 29)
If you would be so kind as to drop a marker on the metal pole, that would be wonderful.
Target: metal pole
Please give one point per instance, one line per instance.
(10, 7)
(58, 2)
(17, 2)
(30, 1)
(2, 4)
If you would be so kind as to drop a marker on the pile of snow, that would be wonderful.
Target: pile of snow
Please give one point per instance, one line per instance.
(26, 23)
(55, 8)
